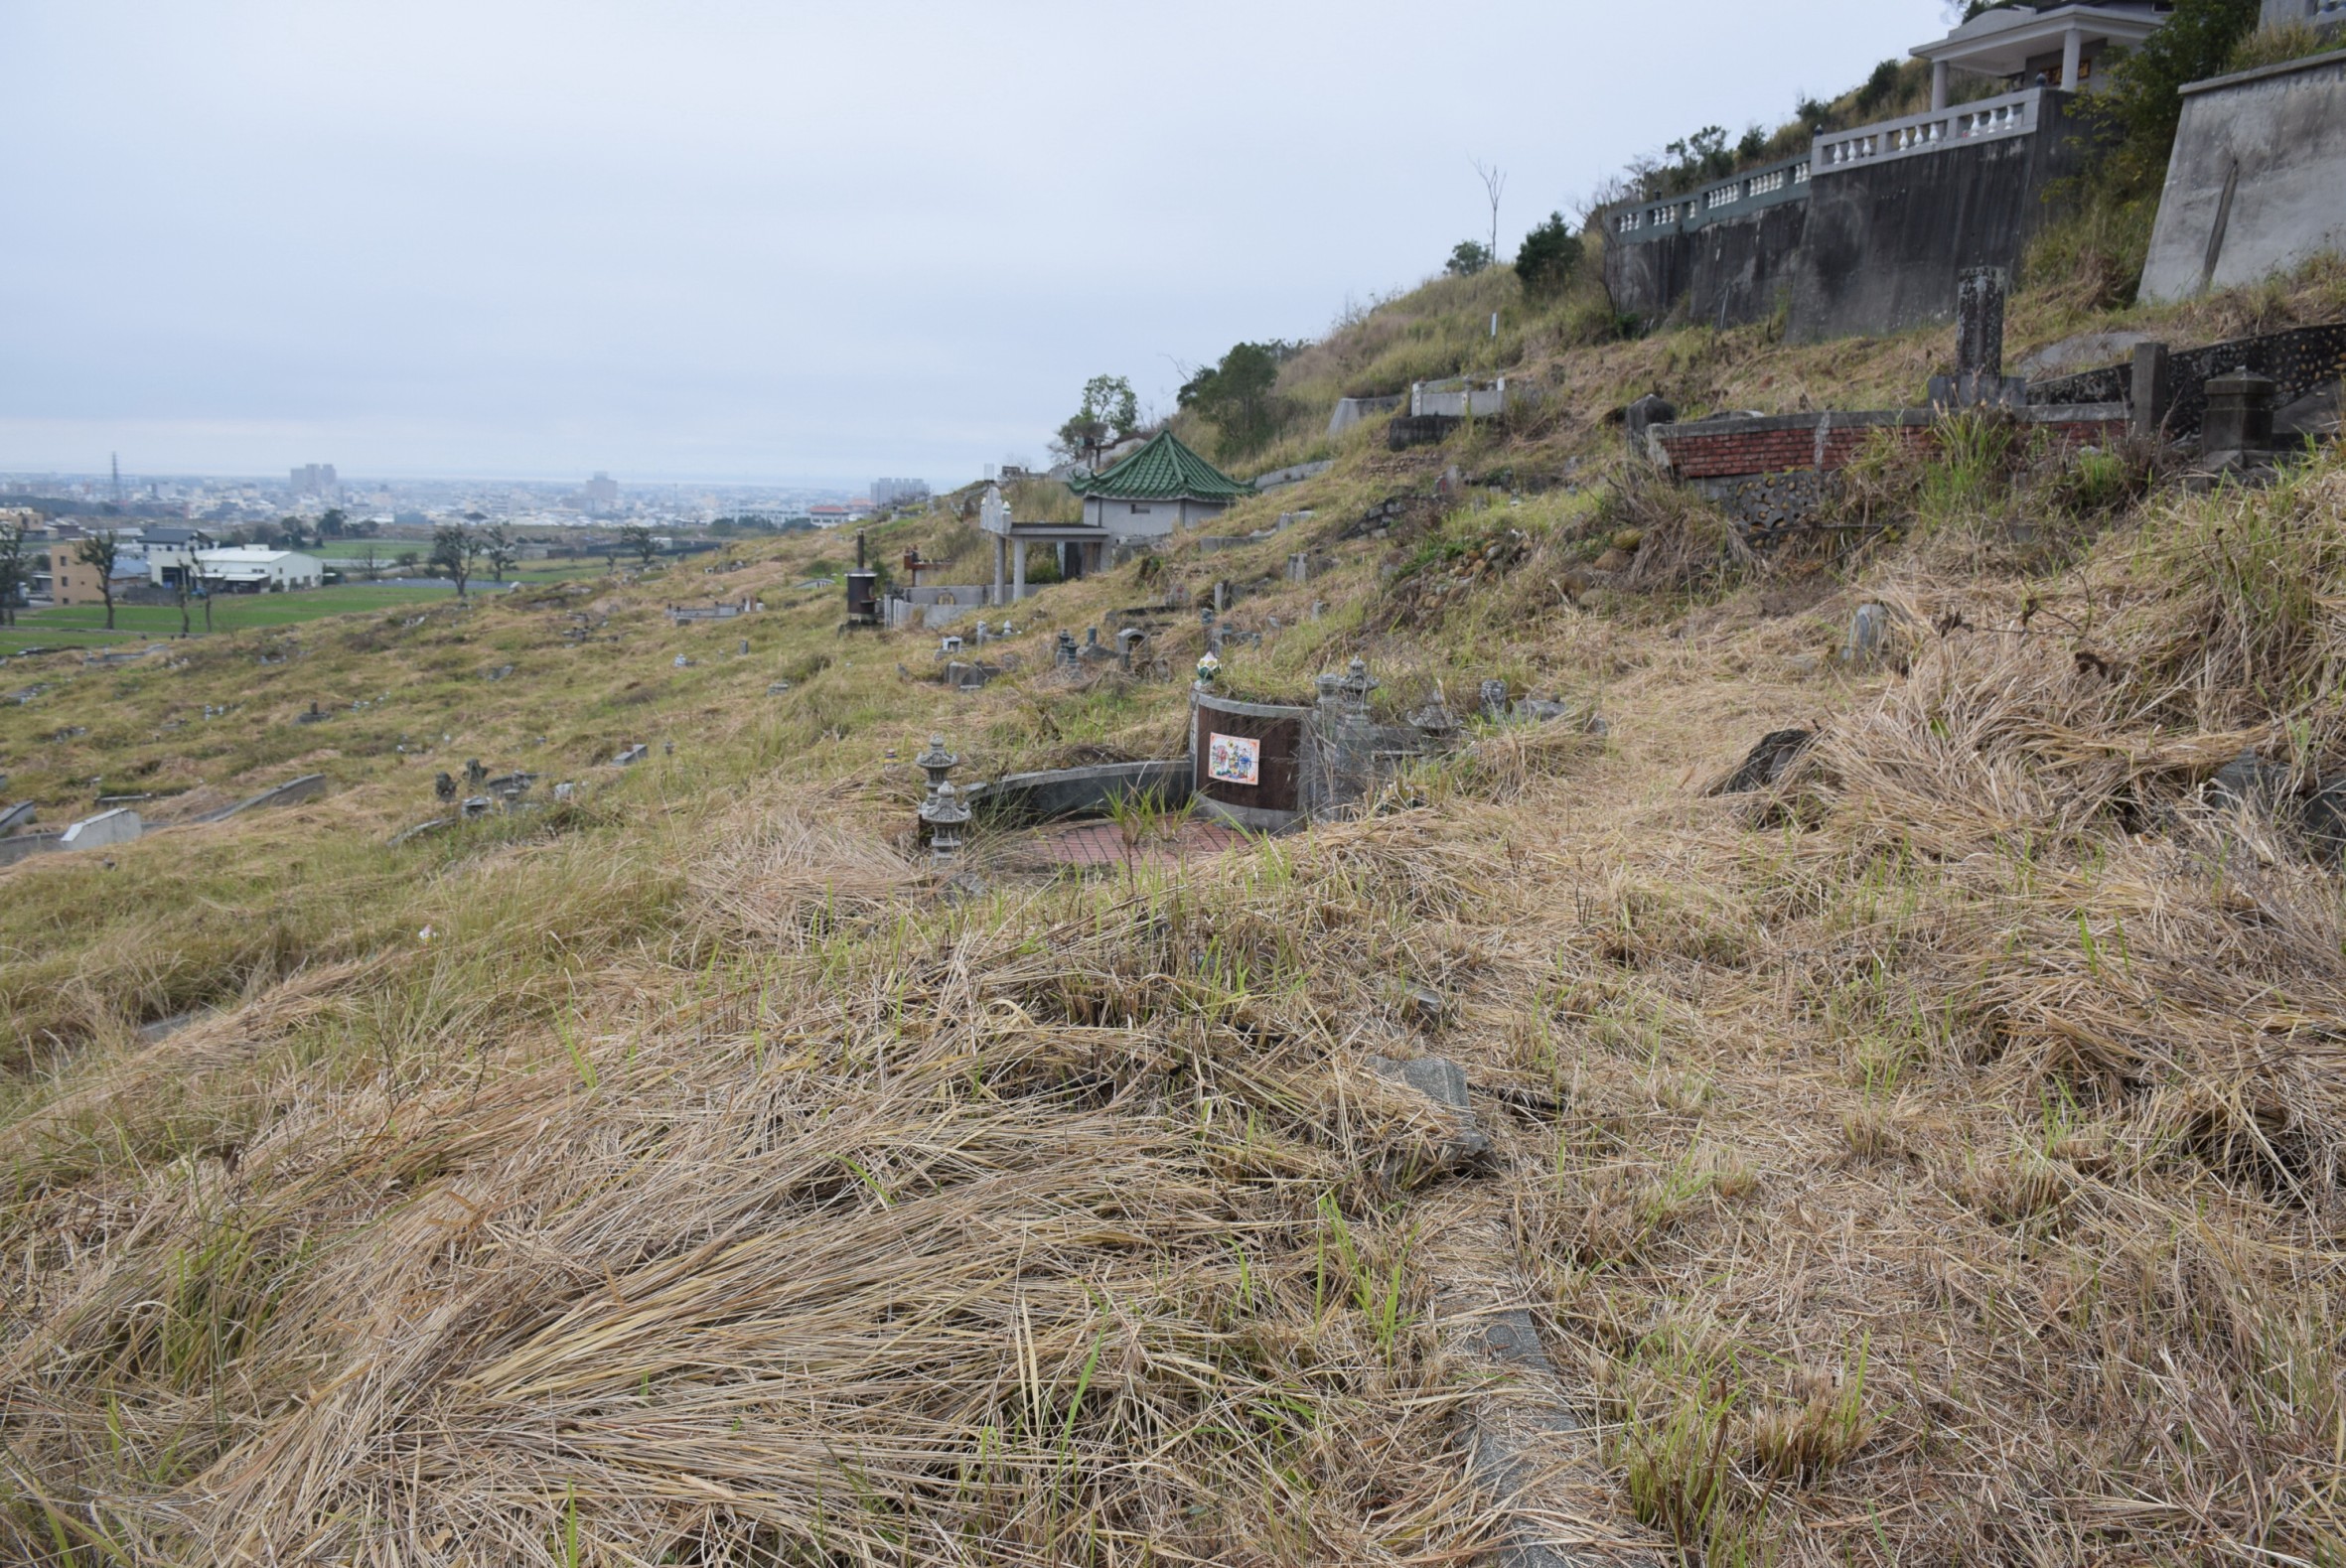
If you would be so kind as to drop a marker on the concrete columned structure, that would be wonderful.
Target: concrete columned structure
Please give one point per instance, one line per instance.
(2049, 46)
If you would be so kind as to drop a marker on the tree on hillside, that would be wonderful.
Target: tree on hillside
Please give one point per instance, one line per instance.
(1109, 412)
(409, 560)
(366, 559)
(1494, 181)
(15, 567)
(1549, 258)
(1467, 257)
(497, 546)
(102, 550)
(2141, 97)
(635, 536)
(185, 585)
(1236, 395)
(455, 551)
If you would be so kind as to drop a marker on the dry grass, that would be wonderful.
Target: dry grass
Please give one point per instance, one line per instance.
(1937, 1159)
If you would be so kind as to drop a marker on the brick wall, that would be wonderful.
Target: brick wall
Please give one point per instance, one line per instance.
(1733, 447)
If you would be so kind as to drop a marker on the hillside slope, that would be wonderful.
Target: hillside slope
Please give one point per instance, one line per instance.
(1932, 1157)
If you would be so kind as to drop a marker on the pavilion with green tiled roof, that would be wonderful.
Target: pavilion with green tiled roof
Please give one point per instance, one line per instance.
(1160, 488)
(1162, 470)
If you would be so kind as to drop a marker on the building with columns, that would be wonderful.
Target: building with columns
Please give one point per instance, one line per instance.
(2038, 46)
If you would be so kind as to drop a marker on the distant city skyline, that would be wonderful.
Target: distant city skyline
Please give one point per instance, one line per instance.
(710, 243)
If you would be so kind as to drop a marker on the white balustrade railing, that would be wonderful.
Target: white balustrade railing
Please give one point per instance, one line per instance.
(2013, 114)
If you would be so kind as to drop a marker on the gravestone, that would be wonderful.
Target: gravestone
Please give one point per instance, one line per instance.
(628, 755)
(443, 786)
(1494, 700)
(1127, 641)
(1980, 380)
(1064, 651)
(1642, 416)
(474, 806)
(314, 716)
(1867, 628)
(474, 772)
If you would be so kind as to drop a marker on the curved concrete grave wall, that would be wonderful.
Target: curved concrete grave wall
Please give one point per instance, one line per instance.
(307, 788)
(1076, 791)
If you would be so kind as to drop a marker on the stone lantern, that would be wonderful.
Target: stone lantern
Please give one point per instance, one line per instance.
(945, 816)
(937, 763)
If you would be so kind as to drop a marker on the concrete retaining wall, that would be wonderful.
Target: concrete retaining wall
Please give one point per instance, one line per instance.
(1725, 274)
(1886, 241)
(2254, 184)
(1350, 411)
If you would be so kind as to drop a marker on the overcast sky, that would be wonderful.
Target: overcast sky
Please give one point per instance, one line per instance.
(730, 240)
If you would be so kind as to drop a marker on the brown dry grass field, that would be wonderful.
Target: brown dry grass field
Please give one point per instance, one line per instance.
(1933, 1158)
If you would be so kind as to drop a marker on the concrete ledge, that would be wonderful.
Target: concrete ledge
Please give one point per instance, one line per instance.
(1253, 818)
(1072, 792)
(25, 845)
(307, 788)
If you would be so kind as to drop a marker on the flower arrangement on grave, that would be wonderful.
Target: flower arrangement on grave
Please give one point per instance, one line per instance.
(1208, 668)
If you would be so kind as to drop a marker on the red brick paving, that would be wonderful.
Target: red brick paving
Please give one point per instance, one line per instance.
(1101, 844)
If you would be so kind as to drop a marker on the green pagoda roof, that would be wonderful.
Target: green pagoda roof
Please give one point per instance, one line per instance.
(1162, 470)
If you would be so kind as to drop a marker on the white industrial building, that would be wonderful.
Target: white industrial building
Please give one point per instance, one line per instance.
(251, 569)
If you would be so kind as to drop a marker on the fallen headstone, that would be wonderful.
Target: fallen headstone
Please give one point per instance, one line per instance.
(1768, 762)
(1444, 1082)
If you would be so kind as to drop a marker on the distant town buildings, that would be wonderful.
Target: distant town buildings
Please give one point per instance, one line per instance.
(316, 479)
(888, 493)
(249, 569)
(74, 581)
(601, 495)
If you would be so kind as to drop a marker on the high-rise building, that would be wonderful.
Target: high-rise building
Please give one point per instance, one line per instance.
(314, 479)
(888, 493)
(601, 495)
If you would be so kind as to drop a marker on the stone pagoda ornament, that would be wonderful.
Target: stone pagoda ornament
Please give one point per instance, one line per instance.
(937, 763)
(945, 816)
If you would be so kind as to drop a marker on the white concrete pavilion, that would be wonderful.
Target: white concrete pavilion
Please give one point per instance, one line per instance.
(2062, 44)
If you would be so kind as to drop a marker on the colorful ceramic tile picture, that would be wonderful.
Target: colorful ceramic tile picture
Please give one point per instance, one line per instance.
(1235, 759)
